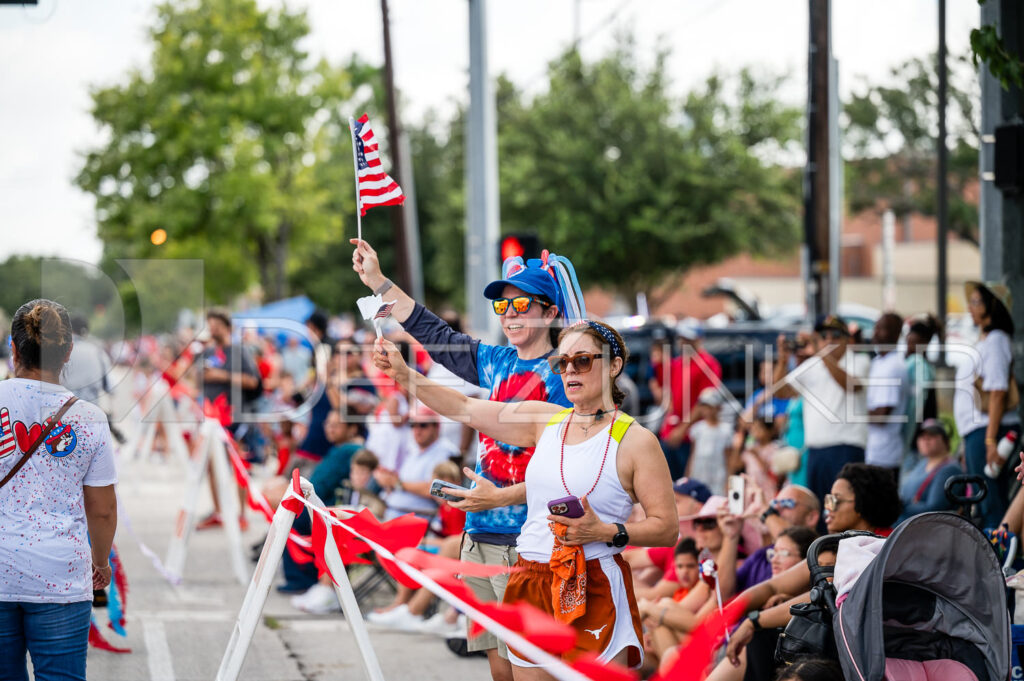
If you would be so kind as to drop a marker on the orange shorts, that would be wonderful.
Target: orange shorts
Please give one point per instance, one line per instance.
(602, 625)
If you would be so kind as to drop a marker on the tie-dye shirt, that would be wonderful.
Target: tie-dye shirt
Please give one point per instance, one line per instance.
(44, 552)
(507, 378)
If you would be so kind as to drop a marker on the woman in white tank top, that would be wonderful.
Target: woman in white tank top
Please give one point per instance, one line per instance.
(591, 457)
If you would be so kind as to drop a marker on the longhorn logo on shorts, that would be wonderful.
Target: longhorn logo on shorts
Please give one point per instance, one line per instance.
(596, 632)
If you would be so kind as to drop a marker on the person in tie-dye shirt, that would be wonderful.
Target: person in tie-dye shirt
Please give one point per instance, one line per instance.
(529, 304)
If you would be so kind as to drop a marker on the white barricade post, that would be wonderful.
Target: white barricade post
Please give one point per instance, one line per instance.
(161, 412)
(186, 520)
(256, 596)
(347, 598)
(227, 492)
(210, 449)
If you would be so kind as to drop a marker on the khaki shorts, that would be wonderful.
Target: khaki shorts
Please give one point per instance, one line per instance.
(487, 588)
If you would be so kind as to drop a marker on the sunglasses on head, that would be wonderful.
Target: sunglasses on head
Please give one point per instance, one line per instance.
(705, 523)
(521, 304)
(582, 361)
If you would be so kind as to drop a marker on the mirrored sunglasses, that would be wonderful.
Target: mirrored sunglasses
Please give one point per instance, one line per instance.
(521, 304)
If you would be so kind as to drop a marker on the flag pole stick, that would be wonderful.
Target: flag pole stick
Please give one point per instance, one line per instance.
(355, 177)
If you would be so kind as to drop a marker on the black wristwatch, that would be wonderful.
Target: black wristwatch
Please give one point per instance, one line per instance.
(755, 618)
(621, 537)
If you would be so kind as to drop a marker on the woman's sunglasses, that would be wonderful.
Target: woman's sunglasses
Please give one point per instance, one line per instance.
(582, 361)
(521, 304)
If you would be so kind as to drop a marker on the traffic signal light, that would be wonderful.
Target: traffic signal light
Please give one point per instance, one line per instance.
(525, 246)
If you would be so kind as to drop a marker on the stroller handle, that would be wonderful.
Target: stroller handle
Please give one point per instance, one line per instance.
(820, 586)
(965, 498)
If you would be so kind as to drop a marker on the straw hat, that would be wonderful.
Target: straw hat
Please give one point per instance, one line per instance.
(998, 290)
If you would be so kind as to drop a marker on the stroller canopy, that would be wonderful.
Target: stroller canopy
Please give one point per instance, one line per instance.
(935, 591)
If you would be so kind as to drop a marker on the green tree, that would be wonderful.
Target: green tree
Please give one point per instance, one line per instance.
(79, 287)
(635, 186)
(227, 142)
(890, 143)
(608, 168)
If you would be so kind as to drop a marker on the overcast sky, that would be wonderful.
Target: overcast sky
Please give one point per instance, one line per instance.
(51, 54)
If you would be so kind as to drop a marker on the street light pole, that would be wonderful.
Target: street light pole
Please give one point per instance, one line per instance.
(942, 184)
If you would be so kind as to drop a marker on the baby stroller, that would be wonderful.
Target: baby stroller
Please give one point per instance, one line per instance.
(930, 605)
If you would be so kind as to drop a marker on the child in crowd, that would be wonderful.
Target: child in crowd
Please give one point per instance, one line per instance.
(712, 443)
(320, 598)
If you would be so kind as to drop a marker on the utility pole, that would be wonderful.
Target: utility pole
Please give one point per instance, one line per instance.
(816, 172)
(402, 256)
(481, 179)
(942, 183)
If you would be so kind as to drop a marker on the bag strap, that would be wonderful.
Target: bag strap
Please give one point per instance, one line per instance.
(53, 421)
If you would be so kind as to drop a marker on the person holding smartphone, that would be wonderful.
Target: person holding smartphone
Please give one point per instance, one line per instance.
(530, 307)
(591, 457)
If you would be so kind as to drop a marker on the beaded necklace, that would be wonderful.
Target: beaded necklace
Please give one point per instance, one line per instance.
(607, 444)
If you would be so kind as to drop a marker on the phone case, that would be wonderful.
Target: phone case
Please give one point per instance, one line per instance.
(569, 506)
(437, 488)
(736, 494)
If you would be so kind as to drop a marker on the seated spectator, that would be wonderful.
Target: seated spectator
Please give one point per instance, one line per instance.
(360, 481)
(654, 575)
(789, 549)
(407, 490)
(793, 506)
(863, 497)
(406, 612)
(328, 475)
(687, 573)
(924, 487)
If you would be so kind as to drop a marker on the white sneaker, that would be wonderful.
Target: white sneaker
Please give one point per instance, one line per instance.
(384, 619)
(406, 621)
(319, 599)
(438, 626)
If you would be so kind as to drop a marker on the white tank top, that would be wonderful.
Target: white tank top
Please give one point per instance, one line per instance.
(582, 462)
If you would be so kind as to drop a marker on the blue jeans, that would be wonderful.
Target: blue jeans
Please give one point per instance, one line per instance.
(55, 634)
(995, 503)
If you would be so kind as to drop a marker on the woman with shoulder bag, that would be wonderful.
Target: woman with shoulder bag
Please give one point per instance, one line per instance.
(985, 402)
(57, 479)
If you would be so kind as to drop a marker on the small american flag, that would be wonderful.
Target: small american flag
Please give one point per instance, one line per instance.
(7, 440)
(384, 310)
(376, 188)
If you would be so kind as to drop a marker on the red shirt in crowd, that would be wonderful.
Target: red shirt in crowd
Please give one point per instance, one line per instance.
(694, 371)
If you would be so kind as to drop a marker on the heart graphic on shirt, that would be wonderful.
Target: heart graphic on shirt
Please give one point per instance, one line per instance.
(26, 436)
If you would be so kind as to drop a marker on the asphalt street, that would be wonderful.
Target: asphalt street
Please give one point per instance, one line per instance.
(179, 633)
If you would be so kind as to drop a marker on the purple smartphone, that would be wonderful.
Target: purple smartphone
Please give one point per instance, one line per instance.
(568, 506)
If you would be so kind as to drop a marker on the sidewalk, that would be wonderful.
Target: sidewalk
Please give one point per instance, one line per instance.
(180, 633)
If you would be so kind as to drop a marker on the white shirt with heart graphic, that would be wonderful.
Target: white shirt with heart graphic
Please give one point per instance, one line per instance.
(44, 548)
